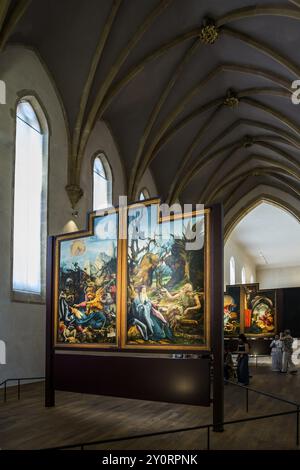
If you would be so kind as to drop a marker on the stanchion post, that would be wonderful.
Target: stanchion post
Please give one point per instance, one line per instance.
(217, 305)
(208, 437)
(49, 386)
(297, 426)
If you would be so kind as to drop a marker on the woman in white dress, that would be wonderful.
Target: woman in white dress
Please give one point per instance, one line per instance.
(276, 353)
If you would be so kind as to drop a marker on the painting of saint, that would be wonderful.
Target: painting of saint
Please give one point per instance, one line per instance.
(263, 313)
(86, 306)
(232, 311)
(249, 292)
(166, 281)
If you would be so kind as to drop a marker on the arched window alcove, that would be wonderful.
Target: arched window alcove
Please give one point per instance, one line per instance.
(144, 194)
(30, 202)
(102, 182)
(232, 271)
(243, 275)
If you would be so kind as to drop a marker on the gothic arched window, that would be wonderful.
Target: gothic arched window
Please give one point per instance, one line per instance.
(243, 275)
(232, 270)
(102, 183)
(144, 194)
(30, 201)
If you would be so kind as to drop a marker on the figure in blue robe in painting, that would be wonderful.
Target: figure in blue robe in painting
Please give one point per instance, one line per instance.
(93, 314)
(132, 320)
(149, 321)
(95, 320)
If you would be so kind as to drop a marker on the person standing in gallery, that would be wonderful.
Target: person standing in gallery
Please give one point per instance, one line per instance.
(243, 360)
(276, 354)
(228, 364)
(287, 345)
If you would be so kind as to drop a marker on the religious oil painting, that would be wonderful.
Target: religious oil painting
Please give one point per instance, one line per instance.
(86, 300)
(167, 280)
(260, 311)
(232, 315)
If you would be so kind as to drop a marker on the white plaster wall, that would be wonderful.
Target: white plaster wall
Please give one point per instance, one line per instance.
(22, 325)
(241, 259)
(273, 278)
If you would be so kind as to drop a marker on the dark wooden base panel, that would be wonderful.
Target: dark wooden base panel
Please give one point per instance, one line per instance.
(159, 379)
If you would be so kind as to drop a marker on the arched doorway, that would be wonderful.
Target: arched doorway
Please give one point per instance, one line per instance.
(263, 238)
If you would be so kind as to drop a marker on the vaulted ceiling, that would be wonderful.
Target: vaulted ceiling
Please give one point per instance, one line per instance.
(198, 91)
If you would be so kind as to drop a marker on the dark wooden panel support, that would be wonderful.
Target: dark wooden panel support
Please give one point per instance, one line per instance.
(49, 388)
(159, 379)
(217, 328)
(290, 310)
(280, 309)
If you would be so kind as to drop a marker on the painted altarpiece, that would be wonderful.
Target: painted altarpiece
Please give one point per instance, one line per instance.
(254, 314)
(144, 291)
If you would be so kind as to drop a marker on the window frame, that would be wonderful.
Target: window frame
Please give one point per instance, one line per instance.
(108, 170)
(43, 119)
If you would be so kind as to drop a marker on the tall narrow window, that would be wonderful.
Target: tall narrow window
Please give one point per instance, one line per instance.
(2, 352)
(102, 183)
(30, 199)
(232, 270)
(144, 194)
(243, 275)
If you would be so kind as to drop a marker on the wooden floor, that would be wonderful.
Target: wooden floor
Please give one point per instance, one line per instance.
(26, 424)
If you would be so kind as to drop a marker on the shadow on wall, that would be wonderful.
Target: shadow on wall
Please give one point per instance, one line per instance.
(2, 352)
